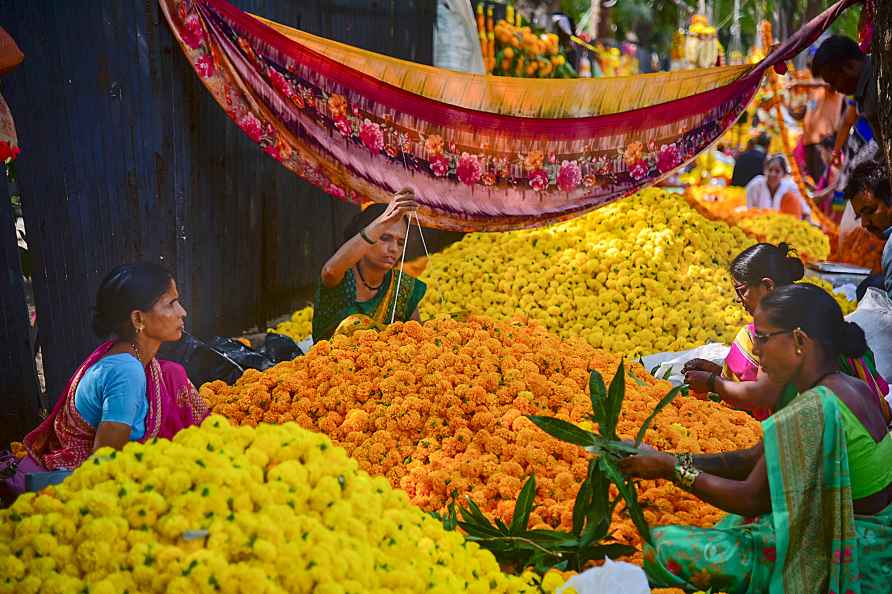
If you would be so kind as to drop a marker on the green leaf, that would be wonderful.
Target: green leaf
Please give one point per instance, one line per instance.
(668, 374)
(563, 430)
(599, 551)
(476, 530)
(663, 403)
(524, 506)
(615, 396)
(629, 495)
(637, 379)
(598, 394)
(472, 514)
(581, 506)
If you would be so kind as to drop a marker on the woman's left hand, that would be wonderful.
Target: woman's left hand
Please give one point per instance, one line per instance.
(698, 381)
(656, 465)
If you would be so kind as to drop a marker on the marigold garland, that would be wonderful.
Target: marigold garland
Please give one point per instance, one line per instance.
(439, 409)
(860, 247)
(234, 510)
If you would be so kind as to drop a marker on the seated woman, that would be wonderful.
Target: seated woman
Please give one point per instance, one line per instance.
(757, 272)
(816, 492)
(776, 191)
(358, 287)
(121, 393)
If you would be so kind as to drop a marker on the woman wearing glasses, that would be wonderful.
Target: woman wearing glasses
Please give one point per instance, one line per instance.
(741, 382)
(811, 504)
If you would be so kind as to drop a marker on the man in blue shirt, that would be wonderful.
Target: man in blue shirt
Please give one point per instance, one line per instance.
(871, 195)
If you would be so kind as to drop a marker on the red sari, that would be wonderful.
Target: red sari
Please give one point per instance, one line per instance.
(64, 439)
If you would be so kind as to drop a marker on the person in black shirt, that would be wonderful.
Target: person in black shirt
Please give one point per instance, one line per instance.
(751, 163)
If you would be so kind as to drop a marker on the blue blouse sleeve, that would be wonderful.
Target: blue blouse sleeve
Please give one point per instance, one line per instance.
(124, 393)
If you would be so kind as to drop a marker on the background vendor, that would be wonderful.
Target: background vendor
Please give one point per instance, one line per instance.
(358, 285)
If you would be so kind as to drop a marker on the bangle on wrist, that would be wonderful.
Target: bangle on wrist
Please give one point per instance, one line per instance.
(685, 473)
(710, 383)
(366, 238)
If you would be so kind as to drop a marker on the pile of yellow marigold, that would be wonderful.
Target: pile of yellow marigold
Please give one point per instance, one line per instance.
(440, 409)
(236, 510)
(299, 326)
(775, 227)
(645, 274)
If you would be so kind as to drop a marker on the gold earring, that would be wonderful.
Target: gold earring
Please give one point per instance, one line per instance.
(798, 351)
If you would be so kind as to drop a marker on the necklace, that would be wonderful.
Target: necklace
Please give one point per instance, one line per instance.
(367, 285)
(136, 352)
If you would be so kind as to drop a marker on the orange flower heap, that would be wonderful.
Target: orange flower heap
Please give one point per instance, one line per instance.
(440, 409)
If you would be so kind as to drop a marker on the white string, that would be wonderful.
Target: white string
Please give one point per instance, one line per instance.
(399, 279)
(421, 234)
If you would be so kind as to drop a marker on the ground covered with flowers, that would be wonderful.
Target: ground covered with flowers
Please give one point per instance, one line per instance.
(235, 510)
(439, 410)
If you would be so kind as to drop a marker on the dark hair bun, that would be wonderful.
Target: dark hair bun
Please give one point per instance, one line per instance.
(780, 263)
(795, 267)
(852, 342)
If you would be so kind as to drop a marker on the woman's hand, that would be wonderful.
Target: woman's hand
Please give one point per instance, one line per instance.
(656, 465)
(702, 365)
(700, 381)
(401, 205)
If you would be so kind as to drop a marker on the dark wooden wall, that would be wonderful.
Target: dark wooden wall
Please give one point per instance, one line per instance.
(126, 156)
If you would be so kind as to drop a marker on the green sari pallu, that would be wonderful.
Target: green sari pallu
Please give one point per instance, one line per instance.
(811, 542)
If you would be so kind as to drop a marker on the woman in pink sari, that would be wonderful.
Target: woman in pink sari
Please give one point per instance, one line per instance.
(121, 393)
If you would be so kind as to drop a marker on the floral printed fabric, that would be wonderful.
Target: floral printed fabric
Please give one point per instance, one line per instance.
(481, 153)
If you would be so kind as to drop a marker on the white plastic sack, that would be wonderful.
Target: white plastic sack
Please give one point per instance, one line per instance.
(614, 577)
(306, 344)
(662, 363)
(874, 315)
(456, 41)
(848, 223)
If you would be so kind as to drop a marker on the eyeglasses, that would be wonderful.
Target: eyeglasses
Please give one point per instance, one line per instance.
(763, 338)
(740, 290)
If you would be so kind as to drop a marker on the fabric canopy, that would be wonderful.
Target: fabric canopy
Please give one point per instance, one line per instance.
(482, 153)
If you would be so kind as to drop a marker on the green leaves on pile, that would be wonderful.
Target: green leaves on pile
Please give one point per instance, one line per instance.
(519, 547)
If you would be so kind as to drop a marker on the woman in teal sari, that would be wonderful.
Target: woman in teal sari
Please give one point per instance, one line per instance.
(359, 288)
(812, 504)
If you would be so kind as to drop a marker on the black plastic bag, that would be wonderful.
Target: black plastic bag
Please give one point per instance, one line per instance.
(278, 348)
(220, 359)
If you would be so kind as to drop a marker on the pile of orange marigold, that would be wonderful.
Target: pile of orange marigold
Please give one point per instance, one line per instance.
(440, 409)
(861, 248)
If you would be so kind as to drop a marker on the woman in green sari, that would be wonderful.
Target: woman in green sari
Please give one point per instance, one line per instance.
(359, 288)
(812, 504)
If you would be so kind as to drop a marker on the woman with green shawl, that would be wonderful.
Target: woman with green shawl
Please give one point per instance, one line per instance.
(812, 504)
(359, 288)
